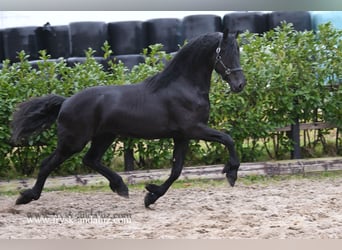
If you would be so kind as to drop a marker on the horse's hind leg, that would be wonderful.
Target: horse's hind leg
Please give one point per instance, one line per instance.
(98, 147)
(155, 191)
(47, 166)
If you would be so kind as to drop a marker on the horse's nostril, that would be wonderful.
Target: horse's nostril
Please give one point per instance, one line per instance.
(239, 87)
(242, 85)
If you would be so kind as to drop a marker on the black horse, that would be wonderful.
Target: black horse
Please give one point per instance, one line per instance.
(171, 104)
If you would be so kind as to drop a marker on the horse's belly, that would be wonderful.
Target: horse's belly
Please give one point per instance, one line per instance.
(142, 122)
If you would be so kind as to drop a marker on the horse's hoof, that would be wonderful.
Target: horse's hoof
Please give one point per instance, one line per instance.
(152, 188)
(150, 198)
(231, 173)
(23, 200)
(123, 192)
(25, 197)
(120, 189)
(231, 177)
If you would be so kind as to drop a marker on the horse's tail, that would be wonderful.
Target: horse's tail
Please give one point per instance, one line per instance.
(34, 116)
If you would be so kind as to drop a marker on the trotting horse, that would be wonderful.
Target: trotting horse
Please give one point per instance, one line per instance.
(171, 104)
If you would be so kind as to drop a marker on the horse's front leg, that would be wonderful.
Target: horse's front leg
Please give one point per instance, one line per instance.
(155, 191)
(202, 132)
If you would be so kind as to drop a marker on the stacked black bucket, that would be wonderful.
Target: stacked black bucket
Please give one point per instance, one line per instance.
(127, 39)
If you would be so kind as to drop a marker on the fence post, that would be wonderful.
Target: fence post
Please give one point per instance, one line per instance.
(295, 136)
(129, 159)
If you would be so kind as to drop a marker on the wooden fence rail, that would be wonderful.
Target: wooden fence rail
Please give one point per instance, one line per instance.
(212, 172)
(309, 126)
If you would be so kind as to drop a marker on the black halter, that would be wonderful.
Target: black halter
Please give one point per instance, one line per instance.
(218, 59)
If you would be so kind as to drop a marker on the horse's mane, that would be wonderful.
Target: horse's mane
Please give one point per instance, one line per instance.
(194, 53)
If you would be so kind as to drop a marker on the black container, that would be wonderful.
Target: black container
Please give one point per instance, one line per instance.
(34, 63)
(195, 25)
(301, 20)
(72, 61)
(2, 56)
(85, 35)
(130, 60)
(21, 38)
(165, 31)
(127, 37)
(254, 22)
(56, 40)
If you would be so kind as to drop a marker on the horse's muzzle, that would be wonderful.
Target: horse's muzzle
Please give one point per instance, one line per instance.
(239, 87)
(236, 88)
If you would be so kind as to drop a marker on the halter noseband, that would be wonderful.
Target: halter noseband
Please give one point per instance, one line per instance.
(218, 59)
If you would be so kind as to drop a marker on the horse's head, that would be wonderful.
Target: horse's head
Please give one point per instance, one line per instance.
(227, 62)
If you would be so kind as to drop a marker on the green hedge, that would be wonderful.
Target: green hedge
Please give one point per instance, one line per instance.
(288, 74)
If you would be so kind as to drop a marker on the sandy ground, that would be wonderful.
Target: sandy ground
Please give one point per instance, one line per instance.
(291, 209)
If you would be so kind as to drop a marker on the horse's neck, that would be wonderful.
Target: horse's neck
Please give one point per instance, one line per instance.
(192, 67)
(199, 77)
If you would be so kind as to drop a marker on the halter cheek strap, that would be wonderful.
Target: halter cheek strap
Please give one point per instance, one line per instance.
(227, 70)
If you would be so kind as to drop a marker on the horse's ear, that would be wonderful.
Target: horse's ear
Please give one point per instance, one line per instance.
(225, 33)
